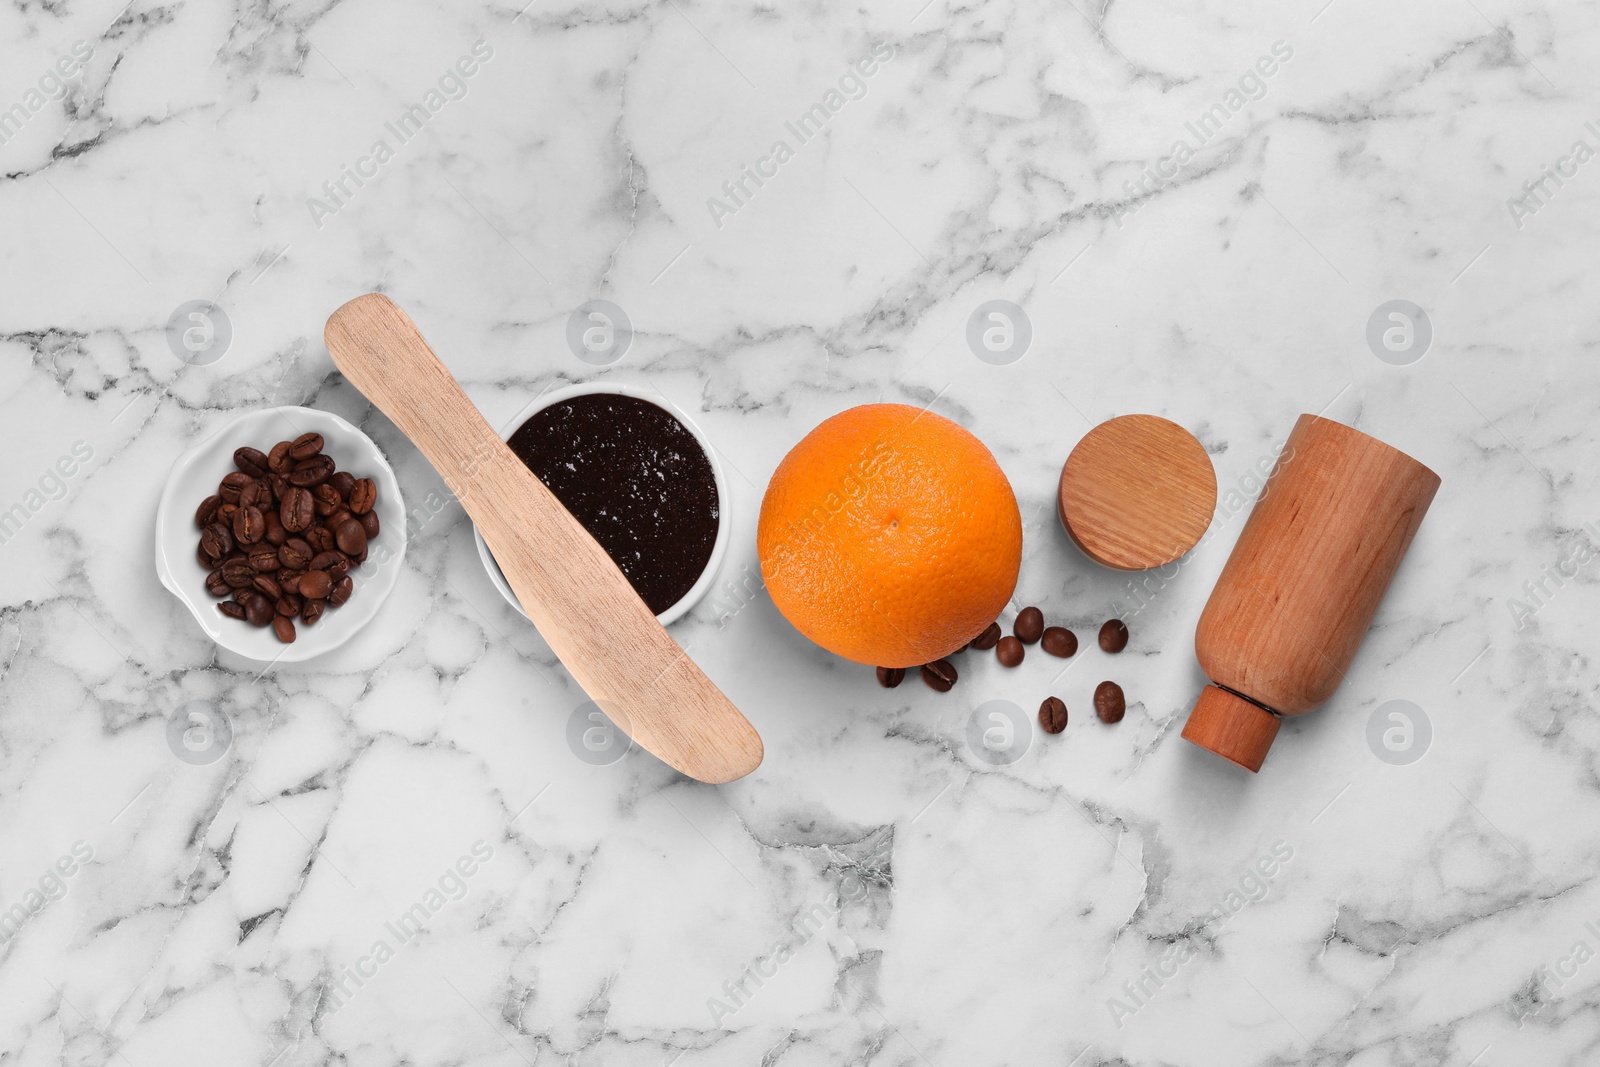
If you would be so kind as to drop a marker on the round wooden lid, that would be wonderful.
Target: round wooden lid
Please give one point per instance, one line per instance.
(1137, 492)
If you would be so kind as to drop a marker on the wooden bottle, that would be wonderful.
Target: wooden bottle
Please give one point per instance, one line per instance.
(1302, 585)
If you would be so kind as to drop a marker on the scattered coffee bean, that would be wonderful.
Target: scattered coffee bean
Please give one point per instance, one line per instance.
(1053, 715)
(1009, 651)
(1029, 625)
(889, 677)
(281, 533)
(1114, 635)
(939, 675)
(1109, 703)
(988, 639)
(1059, 641)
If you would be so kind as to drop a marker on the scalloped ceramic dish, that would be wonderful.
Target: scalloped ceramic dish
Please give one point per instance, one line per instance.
(195, 475)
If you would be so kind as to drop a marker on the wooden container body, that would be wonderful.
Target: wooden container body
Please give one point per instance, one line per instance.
(1311, 566)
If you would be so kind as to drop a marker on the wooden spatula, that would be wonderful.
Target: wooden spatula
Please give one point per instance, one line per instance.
(581, 602)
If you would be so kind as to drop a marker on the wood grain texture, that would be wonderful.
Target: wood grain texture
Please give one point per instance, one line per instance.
(1137, 492)
(1232, 727)
(581, 602)
(1321, 546)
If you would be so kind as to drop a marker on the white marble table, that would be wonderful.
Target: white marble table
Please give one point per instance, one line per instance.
(1198, 210)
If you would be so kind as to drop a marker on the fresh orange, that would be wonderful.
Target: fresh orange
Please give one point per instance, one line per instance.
(890, 536)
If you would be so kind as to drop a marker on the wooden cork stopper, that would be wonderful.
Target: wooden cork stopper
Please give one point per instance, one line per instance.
(1232, 727)
(1137, 492)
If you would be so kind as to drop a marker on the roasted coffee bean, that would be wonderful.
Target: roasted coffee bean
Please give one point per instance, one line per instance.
(225, 513)
(1109, 702)
(1009, 651)
(988, 639)
(232, 609)
(232, 483)
(363, 495)
(289, 580)
(321, 539)
(248, 525)
(206, 513)
(889, 677)
(258, 610)
(305, 446)
(312, 611)
(1059, 641)
(298, 510)
(939, 675)
(344, 587)
(289, 605)
(1053, 715)
(351, 538)
(327, 499)
(295, 554)
(238, 573)
(284, 628)
(216, 541)
(323, 560)
(243, 594)
(1029, 625)
(276, 534)
(369, 523)
(359, 560)
(215, 585)
(313, 471)
(342, 482)
(252, 461)
(264, 559)
(280, 485)
(258, 494)
(315, 585)
(278, 459)
(207, 560)
(266, 587)
(1114, 635)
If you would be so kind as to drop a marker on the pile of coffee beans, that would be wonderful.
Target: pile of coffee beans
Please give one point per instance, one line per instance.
(1028, 629)
(282, 532)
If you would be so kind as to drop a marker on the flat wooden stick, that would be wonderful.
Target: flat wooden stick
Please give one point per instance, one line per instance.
(581, 602)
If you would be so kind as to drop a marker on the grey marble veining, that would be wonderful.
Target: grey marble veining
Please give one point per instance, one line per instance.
(399, 859)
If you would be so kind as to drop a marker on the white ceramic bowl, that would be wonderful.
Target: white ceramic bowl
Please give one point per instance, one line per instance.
(195, 475)
(719, 548)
